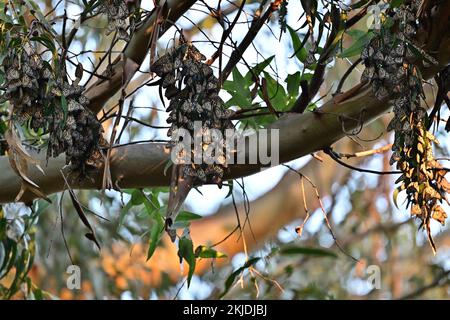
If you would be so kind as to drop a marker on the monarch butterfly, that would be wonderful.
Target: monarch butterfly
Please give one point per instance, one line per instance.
(73, 106)
(381, 93)
(12, 74)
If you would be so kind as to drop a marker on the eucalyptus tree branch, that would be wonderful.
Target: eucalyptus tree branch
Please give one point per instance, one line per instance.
(138, 166)
(255, 27)
(310, 90)
(136, 50)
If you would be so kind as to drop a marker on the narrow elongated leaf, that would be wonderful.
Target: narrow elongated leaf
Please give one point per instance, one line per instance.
(230, 280)
(10, 254)
(187, 216)
(46, 42)
(256, 70)
(294, 250)
(79, 209)
(360, 40)
(64, 109)
(154, 211)
(300, 53)
(156, 232)
(208, 253)
(395, 196)
(186, 252)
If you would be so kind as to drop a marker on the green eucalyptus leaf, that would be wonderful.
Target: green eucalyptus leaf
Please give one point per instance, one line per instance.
(64, 109)
(295, 250)
(187, 216)
(360, 40)
(257, 69)
(137, 197)
(186, 252)
(396, 3)
(276, 93)
(301, 54)
(208, 253)
(156, 233)
(230, 280)
(293, 84)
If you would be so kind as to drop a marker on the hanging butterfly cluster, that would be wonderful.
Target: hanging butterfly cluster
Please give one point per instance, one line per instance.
(117, 12)
(193, 91)
(26, 85)
(389, 68)
(46, 102)
(282, 12)
(80, 135)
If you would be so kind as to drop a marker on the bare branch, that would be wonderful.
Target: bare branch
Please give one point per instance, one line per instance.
(136, 50)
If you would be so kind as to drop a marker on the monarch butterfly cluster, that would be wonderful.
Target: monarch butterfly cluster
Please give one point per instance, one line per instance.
(26, 82)
(193, 91)
(36, 95)
(390, 69)
(117, 12)
(81, 133)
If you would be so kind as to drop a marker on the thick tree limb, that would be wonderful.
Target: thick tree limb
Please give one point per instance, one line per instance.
(137, 166)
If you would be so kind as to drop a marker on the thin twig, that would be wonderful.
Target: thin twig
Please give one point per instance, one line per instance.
(438, 281)
(364, 153)
(332, 154)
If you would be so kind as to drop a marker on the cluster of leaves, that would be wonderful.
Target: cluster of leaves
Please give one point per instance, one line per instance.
(151, 201)
(248, 93)
(17, 252)
(309, 50)
(389, 60)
